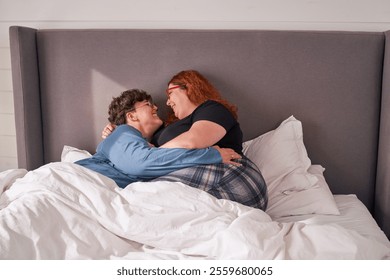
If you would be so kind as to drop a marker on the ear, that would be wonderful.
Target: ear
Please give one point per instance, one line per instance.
(131, 116)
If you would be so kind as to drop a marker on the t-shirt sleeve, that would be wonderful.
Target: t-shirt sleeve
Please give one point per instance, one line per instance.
(215, 112)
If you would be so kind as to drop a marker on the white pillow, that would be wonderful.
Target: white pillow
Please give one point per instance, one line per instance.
(316, 200)
(71, 154)
(282, 158)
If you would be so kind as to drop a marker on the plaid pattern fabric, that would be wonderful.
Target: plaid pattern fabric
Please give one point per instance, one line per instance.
(243, 184)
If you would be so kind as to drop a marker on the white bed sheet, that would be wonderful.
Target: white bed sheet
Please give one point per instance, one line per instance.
(354, 215)
(65, 211)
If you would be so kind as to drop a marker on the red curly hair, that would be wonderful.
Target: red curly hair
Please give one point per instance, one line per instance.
(199, 90)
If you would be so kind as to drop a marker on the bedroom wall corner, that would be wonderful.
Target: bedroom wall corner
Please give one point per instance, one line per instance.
(8, 151)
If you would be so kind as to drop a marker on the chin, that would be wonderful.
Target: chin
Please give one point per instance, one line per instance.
(159, 123)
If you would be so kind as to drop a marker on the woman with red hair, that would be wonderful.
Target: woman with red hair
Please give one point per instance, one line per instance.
(200, 117)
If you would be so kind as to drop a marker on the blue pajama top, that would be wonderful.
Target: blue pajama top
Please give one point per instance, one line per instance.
(126, 157)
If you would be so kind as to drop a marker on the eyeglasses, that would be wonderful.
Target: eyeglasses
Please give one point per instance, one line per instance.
(172, 88)
(149, 103)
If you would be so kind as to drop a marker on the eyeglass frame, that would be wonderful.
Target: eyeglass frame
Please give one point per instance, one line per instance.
(174, 87)
(148, 103)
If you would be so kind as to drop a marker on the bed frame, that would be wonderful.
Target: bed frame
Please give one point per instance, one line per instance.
(337, 83)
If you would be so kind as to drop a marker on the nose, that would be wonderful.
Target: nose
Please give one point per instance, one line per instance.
(168, 102)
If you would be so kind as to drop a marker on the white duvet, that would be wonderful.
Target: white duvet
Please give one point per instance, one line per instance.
(65, 211)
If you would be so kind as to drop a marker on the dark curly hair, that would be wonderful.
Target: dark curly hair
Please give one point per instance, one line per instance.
(124, 103)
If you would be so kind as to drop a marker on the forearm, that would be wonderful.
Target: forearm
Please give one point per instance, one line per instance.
(133, 156)
(154, 162)
(188, 141)
(175, 159)
(202, 134)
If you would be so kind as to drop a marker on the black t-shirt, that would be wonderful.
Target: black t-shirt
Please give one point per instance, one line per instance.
(209, 111)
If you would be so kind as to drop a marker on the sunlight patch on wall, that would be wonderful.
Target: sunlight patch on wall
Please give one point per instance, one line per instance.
(104, 89)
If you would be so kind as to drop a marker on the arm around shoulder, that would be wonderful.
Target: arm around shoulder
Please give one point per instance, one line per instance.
(202, 134)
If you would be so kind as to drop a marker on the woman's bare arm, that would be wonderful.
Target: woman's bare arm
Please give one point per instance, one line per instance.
(202, 134)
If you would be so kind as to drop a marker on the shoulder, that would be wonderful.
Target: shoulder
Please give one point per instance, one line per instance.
(123, 136)
(212, 108)
(124, 132)
(211, 104)
(124, 128)
(215, 112)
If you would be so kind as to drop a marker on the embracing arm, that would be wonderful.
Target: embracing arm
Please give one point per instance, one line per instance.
(202, 134)
(131, 154)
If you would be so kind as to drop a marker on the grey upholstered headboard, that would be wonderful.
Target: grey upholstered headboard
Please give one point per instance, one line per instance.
(331, 81)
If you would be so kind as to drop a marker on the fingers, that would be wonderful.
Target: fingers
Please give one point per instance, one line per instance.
(105, 132)
(232, 154)
(233, 157)
(108, 129)
(230, 157)
(234, 163)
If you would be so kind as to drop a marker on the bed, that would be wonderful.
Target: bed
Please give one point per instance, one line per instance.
(313, 106)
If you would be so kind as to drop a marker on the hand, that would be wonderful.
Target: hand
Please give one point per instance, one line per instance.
(228, 155)
(108, 129)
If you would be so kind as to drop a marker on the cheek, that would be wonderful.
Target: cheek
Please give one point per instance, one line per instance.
(179, 100)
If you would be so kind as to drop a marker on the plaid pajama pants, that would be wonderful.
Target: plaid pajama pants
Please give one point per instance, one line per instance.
(243, 184)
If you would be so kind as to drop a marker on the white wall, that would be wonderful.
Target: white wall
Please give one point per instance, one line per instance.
(350, 15)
